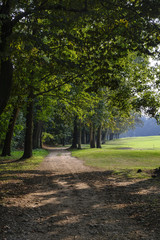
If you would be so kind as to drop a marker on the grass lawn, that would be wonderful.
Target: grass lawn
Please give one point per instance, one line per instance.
(6, 164)
(124, 156)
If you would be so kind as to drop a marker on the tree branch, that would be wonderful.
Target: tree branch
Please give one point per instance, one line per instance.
(43, 7)
(58, 86)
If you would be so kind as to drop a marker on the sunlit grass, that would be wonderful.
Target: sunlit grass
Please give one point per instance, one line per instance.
(29, 164)
(151, 142)
(124, 156)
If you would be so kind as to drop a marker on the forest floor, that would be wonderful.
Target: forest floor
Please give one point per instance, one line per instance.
(63, 199)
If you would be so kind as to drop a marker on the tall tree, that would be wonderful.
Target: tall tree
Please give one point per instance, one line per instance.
(105, 29)
(7, 143)
(15, 17)
(28, 144)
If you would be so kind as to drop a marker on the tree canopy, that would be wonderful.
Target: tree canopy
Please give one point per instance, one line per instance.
(70, 51)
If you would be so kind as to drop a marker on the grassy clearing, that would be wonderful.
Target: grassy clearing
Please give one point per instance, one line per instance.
(124, 156)
(144, 143)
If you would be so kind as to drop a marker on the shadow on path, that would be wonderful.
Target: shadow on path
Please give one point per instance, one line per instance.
(86, 205)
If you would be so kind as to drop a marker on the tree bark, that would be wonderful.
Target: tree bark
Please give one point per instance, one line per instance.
(6, 73)
(6, 68)
(29, 130)
(63, 141)
(75, 134)
(111, 135)
(79, 135)
(92, 136)
(99, 131)
(84, 136)
(37, 133)
(7, 143)
(87, 137)
(104, 136)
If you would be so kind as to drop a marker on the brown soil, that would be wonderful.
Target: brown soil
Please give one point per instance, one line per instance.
(63, 199)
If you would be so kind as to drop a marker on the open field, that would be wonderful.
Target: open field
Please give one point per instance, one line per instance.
(124, 156)
(143, 143)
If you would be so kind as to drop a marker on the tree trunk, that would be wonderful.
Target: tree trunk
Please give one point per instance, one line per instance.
(117, 135)
(29, 130)
(84, 135)
(75, 134)
(37, 133)
(104, 136)
(7, 143)
(92, 136)
(87, 137)
(111, 136)
(6, 68)
(99, 136)
(63, 141)
(108, 135)
(79, 135)
(6, 73)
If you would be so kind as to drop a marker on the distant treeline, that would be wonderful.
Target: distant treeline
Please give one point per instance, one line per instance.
(148, 128)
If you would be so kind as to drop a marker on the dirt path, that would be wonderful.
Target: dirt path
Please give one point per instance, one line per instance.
(64, 199)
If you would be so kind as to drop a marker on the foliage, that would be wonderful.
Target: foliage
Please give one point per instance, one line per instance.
(18, 136)
(64, 53)
(47, 137)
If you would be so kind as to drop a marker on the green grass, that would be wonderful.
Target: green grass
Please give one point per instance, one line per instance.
(151, 142)
(29, 164)
(124, 156)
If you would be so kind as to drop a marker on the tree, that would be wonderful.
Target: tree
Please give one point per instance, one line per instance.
(37, 134)
(81, 55)
(15, 18)
(75, 134)
(29, 129)
(7, 143)
(4, 122)
(116, 27)
(92, 135)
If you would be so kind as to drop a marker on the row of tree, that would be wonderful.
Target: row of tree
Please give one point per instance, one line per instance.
(75, 62)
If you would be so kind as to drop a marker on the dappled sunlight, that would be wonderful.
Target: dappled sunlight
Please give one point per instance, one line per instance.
(81, 186)
(119, 206)
(151, 190)
(66, 206)
(77, 204)
(118, 182)
(69, 219)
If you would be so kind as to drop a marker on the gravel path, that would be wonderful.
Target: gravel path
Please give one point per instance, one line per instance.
(64, 199)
